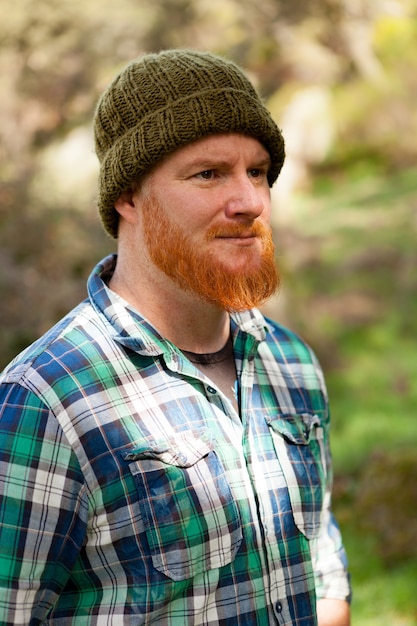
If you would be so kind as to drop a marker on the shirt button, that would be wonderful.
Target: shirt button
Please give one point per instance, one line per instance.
(211, 390)
(279, 607)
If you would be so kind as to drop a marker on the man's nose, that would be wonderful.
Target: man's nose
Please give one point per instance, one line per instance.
(246, 197)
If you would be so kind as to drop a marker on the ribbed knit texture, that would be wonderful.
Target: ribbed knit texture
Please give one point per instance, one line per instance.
(166, 100)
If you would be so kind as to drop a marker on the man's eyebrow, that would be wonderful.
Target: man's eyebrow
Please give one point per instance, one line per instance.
(207, 163)
(263, 162)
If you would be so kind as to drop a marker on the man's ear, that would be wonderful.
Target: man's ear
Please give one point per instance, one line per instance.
(125, 205)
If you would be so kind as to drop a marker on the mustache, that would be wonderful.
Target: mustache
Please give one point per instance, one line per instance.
(257, 229)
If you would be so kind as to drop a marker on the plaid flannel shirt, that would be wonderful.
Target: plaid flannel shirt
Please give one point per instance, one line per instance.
(133, 493)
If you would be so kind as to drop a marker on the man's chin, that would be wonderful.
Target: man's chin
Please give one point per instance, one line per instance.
(239, 266)
(238, 290)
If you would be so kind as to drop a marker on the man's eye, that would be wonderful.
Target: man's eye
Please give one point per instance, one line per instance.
(206, 174)
(256, 172)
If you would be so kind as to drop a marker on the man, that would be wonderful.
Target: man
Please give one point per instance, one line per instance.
(164, 448)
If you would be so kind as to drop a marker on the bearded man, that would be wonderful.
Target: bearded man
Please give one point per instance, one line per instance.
(165, 448)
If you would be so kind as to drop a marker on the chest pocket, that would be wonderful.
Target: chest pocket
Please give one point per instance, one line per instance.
(298, 442)
(191, 520)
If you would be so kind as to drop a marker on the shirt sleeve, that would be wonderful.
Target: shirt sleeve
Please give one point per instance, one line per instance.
(43, 507)
(329, 556)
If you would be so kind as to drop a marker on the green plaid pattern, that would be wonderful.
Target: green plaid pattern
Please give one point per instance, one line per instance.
(133, 493)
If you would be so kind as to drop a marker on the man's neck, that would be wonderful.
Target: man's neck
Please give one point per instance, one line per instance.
(181, 317)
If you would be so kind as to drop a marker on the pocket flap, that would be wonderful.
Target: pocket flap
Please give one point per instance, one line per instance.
(184, 451)
(295, 428)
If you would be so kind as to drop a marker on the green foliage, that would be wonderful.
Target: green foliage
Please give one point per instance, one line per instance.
(386, 503)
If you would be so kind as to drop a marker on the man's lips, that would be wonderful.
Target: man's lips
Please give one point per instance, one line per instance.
(242, 240)
(238, 234)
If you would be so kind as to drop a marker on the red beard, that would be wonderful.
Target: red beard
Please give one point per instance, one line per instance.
(199, 271)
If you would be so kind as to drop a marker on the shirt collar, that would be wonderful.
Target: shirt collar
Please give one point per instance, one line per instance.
(129, 328)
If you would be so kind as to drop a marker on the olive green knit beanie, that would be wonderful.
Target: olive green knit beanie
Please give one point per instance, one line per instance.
(166, 100)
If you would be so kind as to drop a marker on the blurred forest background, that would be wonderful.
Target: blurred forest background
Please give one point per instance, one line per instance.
(340, 77)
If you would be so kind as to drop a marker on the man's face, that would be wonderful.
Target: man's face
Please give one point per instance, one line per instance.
(205, 218)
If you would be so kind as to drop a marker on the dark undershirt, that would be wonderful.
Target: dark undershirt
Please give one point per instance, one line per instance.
(220, 368)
